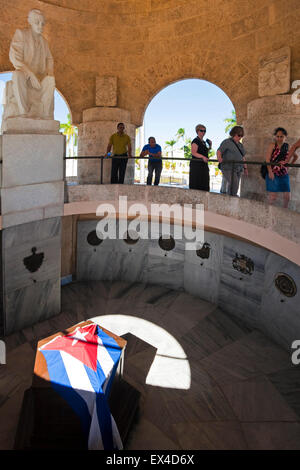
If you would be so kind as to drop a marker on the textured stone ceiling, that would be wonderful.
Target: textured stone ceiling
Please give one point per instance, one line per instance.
(149, 44)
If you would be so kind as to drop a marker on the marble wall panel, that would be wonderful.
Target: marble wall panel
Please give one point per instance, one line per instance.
(84, 228)
(30, 292)
(95, 264)
(165, 267)
(19, 243)
(143, 261)
(31, 304)
(27, 233)
(280, 315)
(130, 267)
(31, 196)
(240, 293)
(201, 282)
(210, 254)
(156, 231)
(165, 271)
(17, 276)
(202, 273)
(31, 159)
(248, 294)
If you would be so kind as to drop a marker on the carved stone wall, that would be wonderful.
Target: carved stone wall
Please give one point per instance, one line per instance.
(218, 41)
(106, 91)
(274, 73)
(264, 116)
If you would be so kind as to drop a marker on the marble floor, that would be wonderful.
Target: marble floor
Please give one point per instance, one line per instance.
(206, 380)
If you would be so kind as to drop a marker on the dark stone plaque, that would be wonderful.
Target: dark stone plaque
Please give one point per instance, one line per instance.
(131, 238)
(93, 238)
(33, 262)
(166, 244)
(204, 252)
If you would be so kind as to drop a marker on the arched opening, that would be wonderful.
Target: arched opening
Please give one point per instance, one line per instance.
(171, 117)
(62, 113)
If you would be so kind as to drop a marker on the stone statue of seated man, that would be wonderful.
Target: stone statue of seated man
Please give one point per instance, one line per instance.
(30, 93)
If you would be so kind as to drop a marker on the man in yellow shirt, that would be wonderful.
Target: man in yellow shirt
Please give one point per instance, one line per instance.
(121, 144)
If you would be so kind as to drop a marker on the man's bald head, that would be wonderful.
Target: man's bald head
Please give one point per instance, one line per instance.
(36, 20)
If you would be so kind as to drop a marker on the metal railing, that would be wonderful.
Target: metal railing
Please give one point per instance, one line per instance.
(232, 162)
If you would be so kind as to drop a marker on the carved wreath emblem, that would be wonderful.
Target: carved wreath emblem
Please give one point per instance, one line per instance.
(285, 284)
(243, 264)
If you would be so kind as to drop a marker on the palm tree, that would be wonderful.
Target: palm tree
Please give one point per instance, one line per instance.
(231, 122)
(180, 134)
(71, 132)
(170, 144)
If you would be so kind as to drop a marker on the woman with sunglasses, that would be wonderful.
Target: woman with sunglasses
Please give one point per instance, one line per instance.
(232, 150)
(199, 171)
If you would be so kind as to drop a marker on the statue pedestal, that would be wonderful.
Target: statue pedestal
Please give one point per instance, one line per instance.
(32, 200)
(264, 115)
(22, 125)
(98, 125)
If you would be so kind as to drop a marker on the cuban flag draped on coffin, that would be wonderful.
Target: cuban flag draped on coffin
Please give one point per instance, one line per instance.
(81, 367)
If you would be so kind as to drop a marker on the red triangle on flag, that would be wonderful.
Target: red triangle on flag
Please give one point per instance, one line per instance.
(81, 344)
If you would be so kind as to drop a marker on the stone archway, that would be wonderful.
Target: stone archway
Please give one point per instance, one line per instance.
(161, 74)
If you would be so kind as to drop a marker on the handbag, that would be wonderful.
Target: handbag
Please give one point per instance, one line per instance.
(279, 158)
(263, 171)
(238, 149)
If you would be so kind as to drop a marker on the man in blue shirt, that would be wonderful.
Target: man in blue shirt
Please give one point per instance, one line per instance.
(155, 162)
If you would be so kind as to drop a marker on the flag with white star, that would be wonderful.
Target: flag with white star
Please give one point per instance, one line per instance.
(81, 367)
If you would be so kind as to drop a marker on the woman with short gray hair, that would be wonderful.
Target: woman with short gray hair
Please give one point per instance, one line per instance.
(232, 150)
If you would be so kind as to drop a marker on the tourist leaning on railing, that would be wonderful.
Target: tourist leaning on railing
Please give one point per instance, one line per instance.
(232, 149)
(121, 144)
(277, 178)
(155, 162)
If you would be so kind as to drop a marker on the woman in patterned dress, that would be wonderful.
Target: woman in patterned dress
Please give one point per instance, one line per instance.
(277, 178)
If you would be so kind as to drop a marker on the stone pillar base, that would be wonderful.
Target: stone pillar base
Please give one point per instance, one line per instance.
(264, 115)
(32, 202)
(31, 258)
(98, 125)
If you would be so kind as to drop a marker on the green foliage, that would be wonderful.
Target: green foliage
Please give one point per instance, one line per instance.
(71, 133)
(231, 122)
(187, 144)
(187, 148)
(180, 135)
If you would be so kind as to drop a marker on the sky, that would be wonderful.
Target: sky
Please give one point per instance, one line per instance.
(183, 104)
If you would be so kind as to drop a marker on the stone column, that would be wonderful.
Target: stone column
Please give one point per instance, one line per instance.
(264, 115)
(32, 201)
(99, 123)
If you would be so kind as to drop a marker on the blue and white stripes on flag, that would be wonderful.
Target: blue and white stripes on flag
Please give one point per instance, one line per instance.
(81, 367)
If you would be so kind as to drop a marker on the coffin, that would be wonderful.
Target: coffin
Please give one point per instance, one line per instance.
(48, 421)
